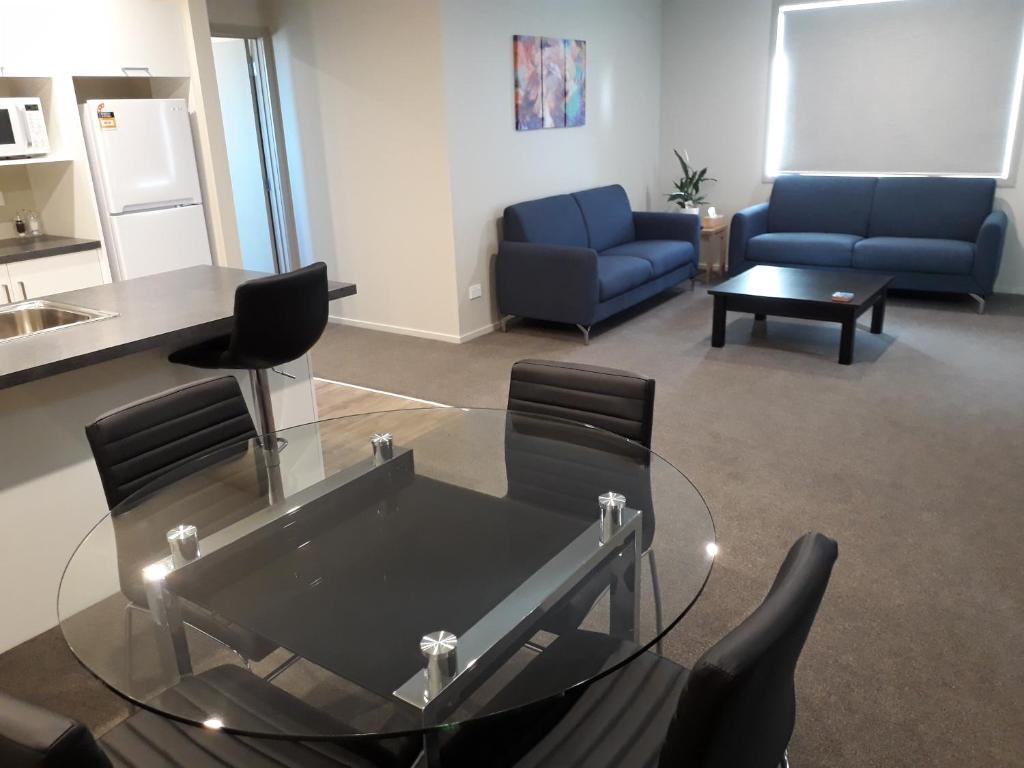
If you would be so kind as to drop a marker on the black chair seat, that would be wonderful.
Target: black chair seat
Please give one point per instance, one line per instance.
(206, 354)
(246, 701)
(620, 720)
(277, 319)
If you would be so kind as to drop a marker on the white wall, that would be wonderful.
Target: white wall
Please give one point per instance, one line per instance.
(364, 125)
(493, 165)
(714, 103)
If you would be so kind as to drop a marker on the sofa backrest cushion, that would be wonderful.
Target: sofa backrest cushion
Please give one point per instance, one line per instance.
(551, 221)
(834, 204)
(950, 209)
(608, 216)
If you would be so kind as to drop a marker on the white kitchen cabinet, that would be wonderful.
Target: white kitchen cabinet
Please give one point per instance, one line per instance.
(32, 278)
(6, 289)
(94, 37)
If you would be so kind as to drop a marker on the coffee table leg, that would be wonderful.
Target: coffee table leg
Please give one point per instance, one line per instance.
(718, 323)
(878, 315)
(846, 340)
(760, 317)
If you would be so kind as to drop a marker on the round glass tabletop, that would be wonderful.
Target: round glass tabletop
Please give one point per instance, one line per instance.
(386, 573)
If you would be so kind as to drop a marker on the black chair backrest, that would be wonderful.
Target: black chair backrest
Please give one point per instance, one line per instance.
(278, 318)
(618, 401)
(141, 444)
(31, 736)
(739, 704)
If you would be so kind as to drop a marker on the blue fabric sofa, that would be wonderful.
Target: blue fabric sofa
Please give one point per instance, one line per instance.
(581, 258)
(931, 234)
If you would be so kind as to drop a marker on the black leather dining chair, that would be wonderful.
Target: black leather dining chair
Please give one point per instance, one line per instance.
(277, 319)
(616, 401)
(735, 709)
(32, 737)
(145, 445)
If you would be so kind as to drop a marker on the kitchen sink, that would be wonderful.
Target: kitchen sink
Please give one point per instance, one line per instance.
(27, 318)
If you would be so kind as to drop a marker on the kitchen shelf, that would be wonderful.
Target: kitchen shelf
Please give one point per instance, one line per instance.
(34, 160)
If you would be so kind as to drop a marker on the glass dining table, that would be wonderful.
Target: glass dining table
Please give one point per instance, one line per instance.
(387, 574)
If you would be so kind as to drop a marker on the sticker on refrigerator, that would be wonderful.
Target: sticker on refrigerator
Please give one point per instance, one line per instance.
(107, 120)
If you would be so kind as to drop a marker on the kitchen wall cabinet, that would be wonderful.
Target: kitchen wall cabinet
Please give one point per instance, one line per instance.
(33, 278)
(99, 38)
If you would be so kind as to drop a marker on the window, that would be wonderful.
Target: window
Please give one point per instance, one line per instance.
(878, 87)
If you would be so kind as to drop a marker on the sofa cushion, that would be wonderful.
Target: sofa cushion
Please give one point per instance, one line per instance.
(618, 274)
(949, 209)
(837, 204)
(550, 220)
(821, 249)
(608, 217)
(663, 255)
(914, 254)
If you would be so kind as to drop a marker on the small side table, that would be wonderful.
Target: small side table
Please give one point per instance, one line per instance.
(718, 230)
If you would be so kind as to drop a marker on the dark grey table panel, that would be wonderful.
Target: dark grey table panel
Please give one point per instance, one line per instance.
(173, 308)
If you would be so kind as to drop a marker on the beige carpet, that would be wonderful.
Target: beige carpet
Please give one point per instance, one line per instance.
(913, 458)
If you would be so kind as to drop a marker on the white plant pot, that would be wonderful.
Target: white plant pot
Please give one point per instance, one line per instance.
(694, 211)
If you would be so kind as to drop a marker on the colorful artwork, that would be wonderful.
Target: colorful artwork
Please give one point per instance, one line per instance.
(526, 50)
(550, 82)
(552, 54)
(575, 83)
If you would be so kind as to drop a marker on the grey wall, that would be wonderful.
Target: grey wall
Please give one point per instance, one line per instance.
(715, 73)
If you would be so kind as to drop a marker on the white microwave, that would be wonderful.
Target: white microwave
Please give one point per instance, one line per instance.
(22, 128)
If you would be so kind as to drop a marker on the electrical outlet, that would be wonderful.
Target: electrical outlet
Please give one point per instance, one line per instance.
(474, 291)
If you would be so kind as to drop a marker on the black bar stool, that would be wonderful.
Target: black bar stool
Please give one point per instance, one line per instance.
(277, 319)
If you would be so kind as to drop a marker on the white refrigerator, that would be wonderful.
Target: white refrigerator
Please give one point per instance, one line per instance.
(144, 170)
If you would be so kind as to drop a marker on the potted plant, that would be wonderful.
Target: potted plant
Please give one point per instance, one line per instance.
(687, 195)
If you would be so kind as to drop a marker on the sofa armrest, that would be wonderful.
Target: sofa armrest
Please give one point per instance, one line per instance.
(988, 250)
(32, 736)
(668, 226)
(746, 224)
(547, 282)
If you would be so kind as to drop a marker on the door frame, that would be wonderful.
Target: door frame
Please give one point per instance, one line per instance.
(267, 104)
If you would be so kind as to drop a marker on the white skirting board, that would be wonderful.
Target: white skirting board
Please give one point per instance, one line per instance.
(451, 338)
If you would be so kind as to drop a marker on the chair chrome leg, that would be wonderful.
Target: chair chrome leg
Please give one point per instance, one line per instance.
(785, 760)
(586, 333)
(658, 625)
(981, 303)
(503, 323)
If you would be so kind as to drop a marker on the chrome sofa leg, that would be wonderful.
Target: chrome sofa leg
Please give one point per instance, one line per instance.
(981, 303)
(785, 760)
(586, 333)
(504, 322)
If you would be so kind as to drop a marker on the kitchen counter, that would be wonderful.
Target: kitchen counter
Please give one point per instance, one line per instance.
(23, 248)
(170, 309)
(50, 492)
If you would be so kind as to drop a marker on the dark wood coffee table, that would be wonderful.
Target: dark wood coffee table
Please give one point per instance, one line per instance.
(802, 293)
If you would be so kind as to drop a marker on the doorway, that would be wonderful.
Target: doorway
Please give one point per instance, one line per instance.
(249, 109)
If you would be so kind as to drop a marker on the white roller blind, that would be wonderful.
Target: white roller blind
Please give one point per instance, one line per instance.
(896, 86)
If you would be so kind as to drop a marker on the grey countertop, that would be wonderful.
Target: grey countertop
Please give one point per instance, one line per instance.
(22, 248)
(171, 309)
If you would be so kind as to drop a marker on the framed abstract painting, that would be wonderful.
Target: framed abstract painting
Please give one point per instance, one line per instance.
(550, 82)
(526, 53)
(575, 83)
